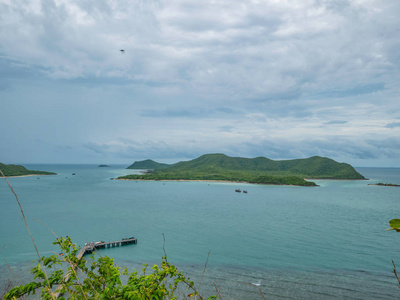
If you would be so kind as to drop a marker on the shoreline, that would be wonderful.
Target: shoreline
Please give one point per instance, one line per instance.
(338, 179)
(215, 181)
(211, 180)
(28, 175)
(188, 180)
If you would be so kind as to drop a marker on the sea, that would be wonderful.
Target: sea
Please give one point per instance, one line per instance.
(275, 242)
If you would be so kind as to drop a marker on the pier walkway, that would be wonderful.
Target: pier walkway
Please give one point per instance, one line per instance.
(89, 248)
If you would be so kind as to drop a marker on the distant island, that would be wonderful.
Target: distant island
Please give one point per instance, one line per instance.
(148, 164)
(260, 170)
(384, 184)
(17, 170)
(103, 166)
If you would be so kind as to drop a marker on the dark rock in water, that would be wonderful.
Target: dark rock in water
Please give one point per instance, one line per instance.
(103, 166)
(385, 184)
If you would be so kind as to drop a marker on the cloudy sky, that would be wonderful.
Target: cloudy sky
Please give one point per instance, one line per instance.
(274, 78)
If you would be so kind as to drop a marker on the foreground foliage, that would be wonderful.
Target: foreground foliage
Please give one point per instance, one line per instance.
(100, 279)
(395, 225)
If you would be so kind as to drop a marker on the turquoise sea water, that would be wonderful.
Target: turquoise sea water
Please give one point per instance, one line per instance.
(326, 242)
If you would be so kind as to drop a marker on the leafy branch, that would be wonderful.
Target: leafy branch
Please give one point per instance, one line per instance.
(101, 278)
(395, 225)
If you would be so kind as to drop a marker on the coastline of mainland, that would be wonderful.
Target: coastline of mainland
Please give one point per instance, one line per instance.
(21, 171)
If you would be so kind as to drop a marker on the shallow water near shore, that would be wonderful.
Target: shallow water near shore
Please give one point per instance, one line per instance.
(290, 242)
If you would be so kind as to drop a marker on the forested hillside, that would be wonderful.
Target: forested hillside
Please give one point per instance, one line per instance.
(17, 170)
(147, 164)
(315, 167)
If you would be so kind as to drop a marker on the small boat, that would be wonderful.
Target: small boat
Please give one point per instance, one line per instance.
(238, 191)
(245, 192)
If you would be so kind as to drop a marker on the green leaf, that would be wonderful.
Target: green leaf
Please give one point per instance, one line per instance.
(101, 279)
(394, 224)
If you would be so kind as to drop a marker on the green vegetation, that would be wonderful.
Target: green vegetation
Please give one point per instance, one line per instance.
(314, 167)
(101, 279)
(147, 164)
(17, 170)
(253, 170)
(237, 177)
(395, 225)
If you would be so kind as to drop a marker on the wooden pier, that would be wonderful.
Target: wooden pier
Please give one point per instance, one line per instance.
(89, 248)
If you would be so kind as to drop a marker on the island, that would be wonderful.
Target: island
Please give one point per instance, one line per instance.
(260, 170)
(18, 170)
(384, 184)
(148, 164)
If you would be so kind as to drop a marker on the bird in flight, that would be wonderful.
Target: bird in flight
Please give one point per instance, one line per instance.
(122, 51)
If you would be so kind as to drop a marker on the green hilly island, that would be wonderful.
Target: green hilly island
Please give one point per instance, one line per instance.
(17, 170)
(252, 170)
(147, 164)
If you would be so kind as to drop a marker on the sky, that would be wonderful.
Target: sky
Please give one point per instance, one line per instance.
(280, 79)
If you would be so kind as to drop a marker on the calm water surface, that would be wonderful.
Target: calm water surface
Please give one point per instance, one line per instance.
(326, 242)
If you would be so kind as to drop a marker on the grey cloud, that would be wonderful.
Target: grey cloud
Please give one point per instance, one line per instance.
(393, 125)
(5, 86)
(169, 113)
(333, 148)
(240, 47)
(14, 69)
(64, 149)
(97, 148)
(354, 90)
(144, 150)
(194, 112)
(334, 122)
(272, 148)
(226, 128)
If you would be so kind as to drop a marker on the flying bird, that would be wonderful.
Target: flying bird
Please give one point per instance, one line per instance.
(122, 51)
